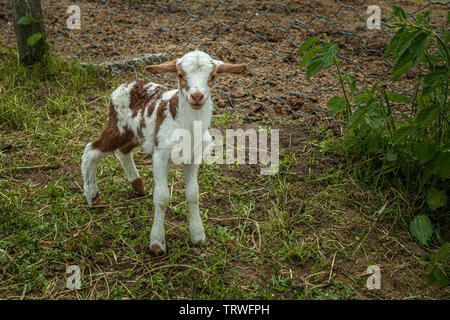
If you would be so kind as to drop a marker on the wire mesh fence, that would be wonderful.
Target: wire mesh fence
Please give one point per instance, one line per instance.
(125, 35)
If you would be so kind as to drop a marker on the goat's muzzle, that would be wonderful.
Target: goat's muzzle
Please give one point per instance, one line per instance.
(197, 100)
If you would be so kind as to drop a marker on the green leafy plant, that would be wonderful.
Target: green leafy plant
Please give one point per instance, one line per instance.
(400, 137)
(437, 270)
(421, 229)
(404, 135)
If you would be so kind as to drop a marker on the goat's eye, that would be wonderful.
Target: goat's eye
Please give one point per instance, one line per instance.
(180, 76)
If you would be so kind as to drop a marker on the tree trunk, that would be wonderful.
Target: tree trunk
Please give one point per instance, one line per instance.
(29, 54)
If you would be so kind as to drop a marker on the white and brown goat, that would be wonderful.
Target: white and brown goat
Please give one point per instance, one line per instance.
(146, 114)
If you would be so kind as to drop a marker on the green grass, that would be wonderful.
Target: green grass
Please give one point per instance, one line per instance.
(292, 235)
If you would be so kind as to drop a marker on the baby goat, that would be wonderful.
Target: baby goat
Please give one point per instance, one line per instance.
(146, 114)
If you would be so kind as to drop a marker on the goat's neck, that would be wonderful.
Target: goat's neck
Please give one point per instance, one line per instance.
(188, 115)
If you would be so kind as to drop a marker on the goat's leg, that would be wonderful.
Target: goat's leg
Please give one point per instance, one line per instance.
(196, 229)
(160, 200)
(133, 177)
(89, 161)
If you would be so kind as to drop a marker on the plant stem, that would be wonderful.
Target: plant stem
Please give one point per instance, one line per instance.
(341, 80)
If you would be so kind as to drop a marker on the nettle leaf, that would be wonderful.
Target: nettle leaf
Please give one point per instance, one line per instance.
(418, 46)
(427, 115)
(434, 79)
(442, 165)
(309, 55)
(440, 276)
(399, 12)
(401, 69)
(390, 156)
(394, 42)
(437, 264)
(306, 45)
(351, 81)
(438, 55)
(425, 18)
(329, 52)
(336, 105)
(424, 152)
(421, 229)
(436, 198)
(429, 277)
(314, 66)
(374, 142)
(401, 134)
(428, 170)
(34, 38)
(324, 60)
(403, 45)
(397, 97)
(378, 122)
(362, 97)
(400, 37)
(357, 117)
(442, 254)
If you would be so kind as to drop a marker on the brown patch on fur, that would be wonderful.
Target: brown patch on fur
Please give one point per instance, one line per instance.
(156, 95)
(128, 147)
(173, 105)
(169, 66)
(139, 97)
(110, 139)
(182, 78)
(232, 68)
(160, 116)
(138, 186)
(212, 75)
(141, 128)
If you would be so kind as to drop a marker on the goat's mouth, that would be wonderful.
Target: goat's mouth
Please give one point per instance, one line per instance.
(197, 105)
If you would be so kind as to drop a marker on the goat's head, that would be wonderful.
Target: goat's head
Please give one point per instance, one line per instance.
(196, 72)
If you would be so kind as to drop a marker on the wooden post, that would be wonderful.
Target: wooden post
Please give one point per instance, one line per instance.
(31, 26)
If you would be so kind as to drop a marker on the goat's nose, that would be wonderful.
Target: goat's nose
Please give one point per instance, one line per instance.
(197, 96)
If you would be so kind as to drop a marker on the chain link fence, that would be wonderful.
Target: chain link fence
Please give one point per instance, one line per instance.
(122, 36)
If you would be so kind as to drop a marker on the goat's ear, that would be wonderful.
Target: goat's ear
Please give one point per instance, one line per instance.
(232, 68)
(169, 66)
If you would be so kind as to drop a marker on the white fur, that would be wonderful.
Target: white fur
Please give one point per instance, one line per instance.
(89, 162)
(120, 98)
(127, 162)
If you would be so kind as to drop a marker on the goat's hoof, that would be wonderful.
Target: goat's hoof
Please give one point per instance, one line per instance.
(156, 250)
(202, 242)
(138, 187)
(96, 201)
